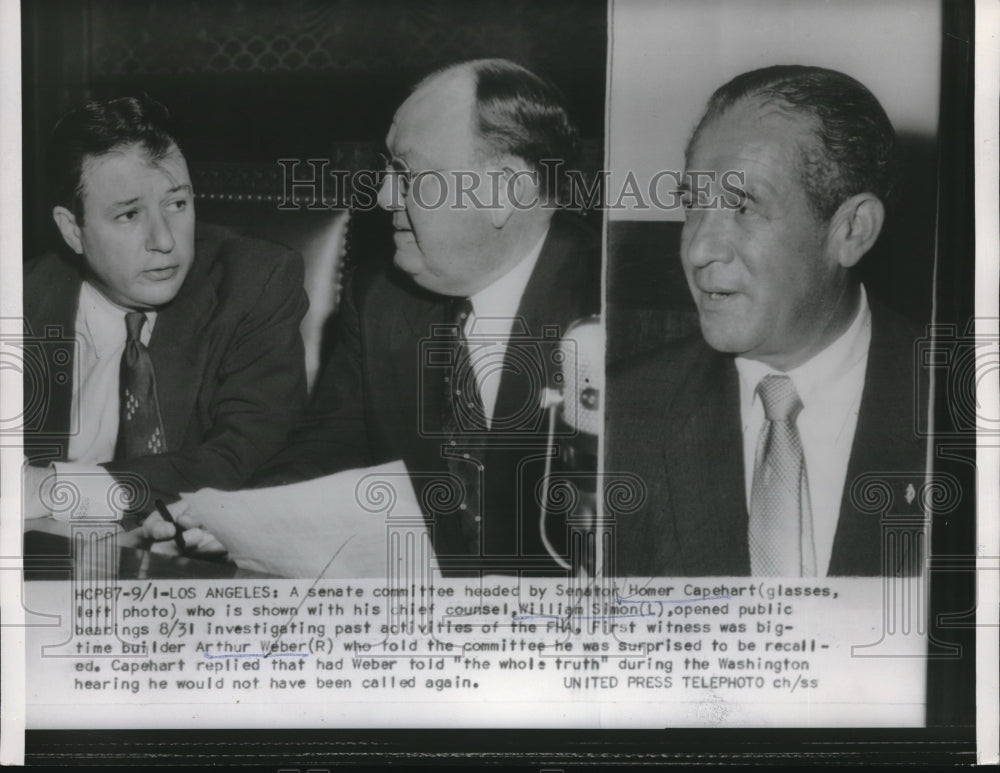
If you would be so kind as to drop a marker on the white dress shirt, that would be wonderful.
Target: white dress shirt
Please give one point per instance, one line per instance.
(100, 341)
(830, 385)
(488, 329)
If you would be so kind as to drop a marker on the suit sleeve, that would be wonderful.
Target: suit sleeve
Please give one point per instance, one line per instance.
(260, 391)
(332, 434)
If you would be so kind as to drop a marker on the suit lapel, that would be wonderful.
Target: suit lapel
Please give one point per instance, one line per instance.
(408, 356)
(420, 351)
(704, 475)
(884, 444)
(556, 294)
(177, 349)
(551, 301)
(419, 358)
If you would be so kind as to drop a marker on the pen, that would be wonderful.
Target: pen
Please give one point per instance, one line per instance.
(165, 514)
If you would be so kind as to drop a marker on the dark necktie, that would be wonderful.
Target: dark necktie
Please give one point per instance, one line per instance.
(780, 532)
(464, 424)
(140, 431)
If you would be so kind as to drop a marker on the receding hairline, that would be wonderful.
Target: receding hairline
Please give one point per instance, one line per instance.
(419, 93)
(472, 67)
(808, 150)
(516, 116)
(765, 105)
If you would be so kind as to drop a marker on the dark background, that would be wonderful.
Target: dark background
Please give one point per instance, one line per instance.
(252, 81)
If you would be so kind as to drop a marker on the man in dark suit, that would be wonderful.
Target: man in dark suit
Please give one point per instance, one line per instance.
(761, 440)
(446, 356)
(172, 354)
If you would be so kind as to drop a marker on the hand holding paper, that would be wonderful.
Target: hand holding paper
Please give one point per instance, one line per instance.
(334, 526)
(198, 542)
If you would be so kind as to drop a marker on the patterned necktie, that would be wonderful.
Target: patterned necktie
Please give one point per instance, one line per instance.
(140, 431)
(464, 423)
(780, 531)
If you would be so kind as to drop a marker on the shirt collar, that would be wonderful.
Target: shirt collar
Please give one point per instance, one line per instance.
(501, 299)
(823, 369)
(103, 322)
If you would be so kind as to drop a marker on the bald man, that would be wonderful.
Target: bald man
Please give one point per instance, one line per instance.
(446, 354)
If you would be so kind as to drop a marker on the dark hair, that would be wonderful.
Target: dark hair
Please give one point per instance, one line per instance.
(853, 148)
(520, 114)
(99, 127)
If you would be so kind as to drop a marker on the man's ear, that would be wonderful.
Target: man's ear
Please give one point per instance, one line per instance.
(517, 190)
(855, 227)
(67, 225)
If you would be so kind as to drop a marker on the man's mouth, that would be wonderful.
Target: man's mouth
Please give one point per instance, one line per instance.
(715, 292)
(161, 274)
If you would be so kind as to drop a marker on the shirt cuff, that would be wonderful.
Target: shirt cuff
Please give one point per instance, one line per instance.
(83, 491)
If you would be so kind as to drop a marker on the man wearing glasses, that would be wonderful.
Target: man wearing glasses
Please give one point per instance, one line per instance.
(446, 355)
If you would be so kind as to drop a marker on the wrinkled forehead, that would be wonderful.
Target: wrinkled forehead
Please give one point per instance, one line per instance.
(763, 144)
(753, 121)
(436, 125)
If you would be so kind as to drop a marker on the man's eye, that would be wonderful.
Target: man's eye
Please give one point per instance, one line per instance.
(128, 217)
(178, 206)
(738, 201)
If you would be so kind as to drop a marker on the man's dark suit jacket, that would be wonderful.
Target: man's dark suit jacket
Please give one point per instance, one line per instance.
(673, 418)
(227, 354)
(381, 396)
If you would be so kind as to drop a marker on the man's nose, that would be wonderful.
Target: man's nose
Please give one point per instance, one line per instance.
(707, 237)
(160, 238)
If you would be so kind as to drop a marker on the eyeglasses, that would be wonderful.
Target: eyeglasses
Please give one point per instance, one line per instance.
(398, 170)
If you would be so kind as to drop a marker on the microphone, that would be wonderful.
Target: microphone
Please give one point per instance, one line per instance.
(581, 411)
(575, 422)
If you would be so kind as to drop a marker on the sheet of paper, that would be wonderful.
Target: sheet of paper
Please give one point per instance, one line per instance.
(336, 526)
